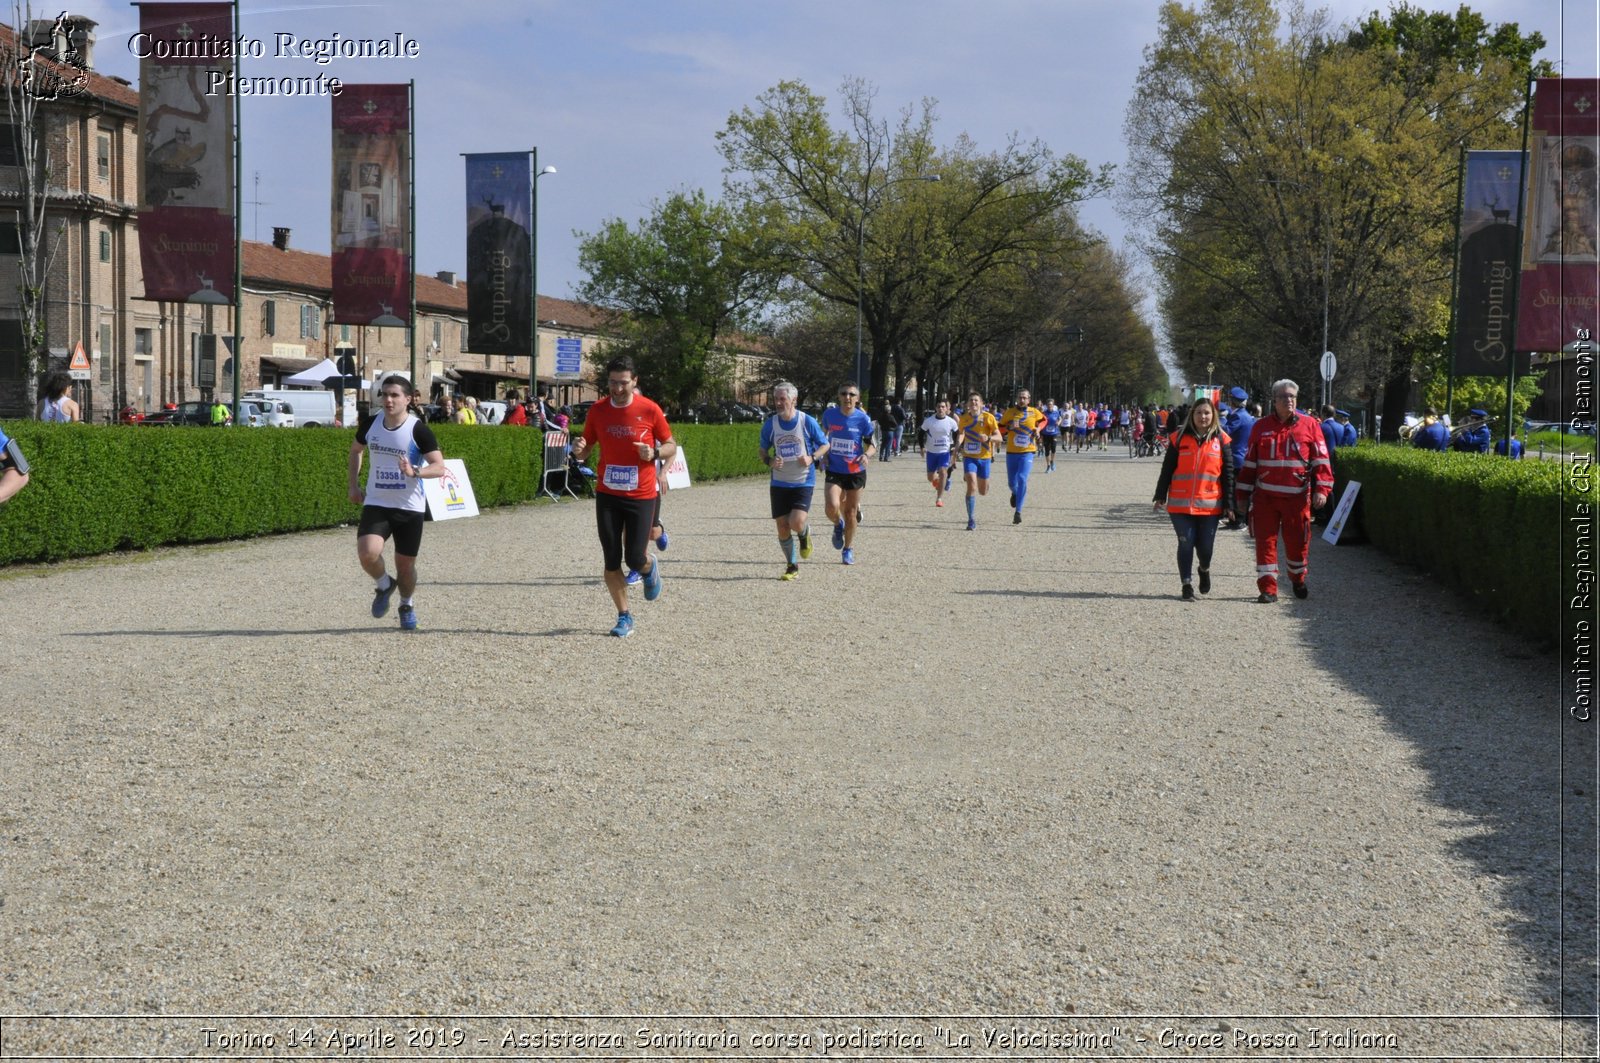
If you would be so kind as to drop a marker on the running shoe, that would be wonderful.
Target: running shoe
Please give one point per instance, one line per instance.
(838, 536)
(790, 572)
(939, 502)
(1016, 518)
(1300, 588)
(972, 525)
(1188, 593)
(662, 540)
(624, 626)
(849, 557)
(652, 582)
(1013, 500)
(634, 579)
(1205, 581)
(861, 518)
(408, 617)
(947, 481)
(805, 546)
(1266, 598)
(380, 601)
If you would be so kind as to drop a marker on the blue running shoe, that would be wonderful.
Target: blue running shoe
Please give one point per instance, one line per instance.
(838, 536)
(972, 525)
(624, 626)
(849, 557)
(662, 540)
(634, 579)
(380, 601)
(408, 617)
(652, 582)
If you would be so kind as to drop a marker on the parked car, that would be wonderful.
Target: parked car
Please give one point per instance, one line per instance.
(311, 408)
(491, 411)
(266, 413)
(184, 413)
(1577, 428)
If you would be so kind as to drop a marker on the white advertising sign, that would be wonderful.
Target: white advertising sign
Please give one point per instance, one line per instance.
(450, 496)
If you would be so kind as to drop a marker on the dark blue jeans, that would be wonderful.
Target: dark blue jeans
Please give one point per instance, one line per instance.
(1194, 534)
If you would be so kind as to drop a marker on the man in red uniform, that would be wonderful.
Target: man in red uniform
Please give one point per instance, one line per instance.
(633, 435)
(1286, 474)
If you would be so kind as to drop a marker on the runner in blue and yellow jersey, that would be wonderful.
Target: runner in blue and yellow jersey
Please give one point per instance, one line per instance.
(979, 434)
(1021, 424)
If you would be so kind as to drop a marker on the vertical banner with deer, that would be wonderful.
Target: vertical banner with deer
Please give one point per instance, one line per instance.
(499, 266)
(186, 220)
(1488, 267)
(1560, 299)
(372, 205)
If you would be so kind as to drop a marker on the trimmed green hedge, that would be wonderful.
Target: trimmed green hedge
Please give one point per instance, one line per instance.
(97, 488)
(1494, 529)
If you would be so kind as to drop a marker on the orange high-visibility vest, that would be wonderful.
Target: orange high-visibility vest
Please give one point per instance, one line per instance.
(1196, 486)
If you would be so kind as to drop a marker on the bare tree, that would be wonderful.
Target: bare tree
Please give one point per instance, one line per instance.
(31, 78)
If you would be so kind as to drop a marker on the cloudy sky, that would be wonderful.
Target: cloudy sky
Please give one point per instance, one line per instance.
(625, 98)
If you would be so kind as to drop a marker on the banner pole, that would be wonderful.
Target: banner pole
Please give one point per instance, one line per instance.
(1516, 289)
(1455, 289)
(411, 233)
(533, 271)
(238, 234)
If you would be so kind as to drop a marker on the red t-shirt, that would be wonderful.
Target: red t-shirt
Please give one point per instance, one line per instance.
(617, 430)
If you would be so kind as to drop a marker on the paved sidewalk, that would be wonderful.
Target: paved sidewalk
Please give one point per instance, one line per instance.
(996, 773)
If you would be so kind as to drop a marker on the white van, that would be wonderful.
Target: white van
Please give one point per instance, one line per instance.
(310, 408)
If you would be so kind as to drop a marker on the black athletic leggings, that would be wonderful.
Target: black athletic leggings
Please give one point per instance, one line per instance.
(624, 525)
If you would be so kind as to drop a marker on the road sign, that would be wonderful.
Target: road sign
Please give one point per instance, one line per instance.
(78, 368)
(1330, 365)
(569, 356)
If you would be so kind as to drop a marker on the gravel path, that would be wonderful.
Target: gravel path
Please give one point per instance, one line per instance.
(990, 774)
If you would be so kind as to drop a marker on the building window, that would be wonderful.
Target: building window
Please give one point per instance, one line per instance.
(105, 353)
(310, 322)
(105, 246)
(141, 342)
(269, 318)
(10, 350)
(10, 146)
(344, 333)
(463, 339)
(10, 238)
(438, 335)
(102, 156)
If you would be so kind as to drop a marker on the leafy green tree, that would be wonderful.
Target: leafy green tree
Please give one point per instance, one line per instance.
(862, 222)
(680, 286)
(1299, 181)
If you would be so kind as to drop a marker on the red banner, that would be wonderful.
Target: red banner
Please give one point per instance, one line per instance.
(1559, 301)
(372, 205)
(186, 220)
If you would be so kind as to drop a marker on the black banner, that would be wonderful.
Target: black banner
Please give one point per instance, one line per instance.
(499, 264)
(1489, 264)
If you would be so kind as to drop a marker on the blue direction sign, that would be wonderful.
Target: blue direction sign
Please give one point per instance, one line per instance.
(569, 356)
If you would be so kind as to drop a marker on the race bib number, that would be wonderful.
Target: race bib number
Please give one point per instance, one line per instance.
(1022, 439)
(789, 449)
(622, 477)
(388, 480)
(844, 446)
(973, 447)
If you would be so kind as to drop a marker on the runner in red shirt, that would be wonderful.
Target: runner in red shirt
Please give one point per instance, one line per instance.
(632, 434)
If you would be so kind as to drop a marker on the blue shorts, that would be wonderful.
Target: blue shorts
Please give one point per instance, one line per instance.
(977, 465)
(937, 461)
(1080, 431)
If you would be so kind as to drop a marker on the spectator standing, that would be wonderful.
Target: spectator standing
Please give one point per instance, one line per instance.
(1196, 484)
(55, 405)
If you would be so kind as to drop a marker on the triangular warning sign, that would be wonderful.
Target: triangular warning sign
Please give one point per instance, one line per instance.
(80, 360)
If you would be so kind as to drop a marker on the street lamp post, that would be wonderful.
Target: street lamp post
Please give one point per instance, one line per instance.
(533, 271)
(861, 255)
(1209, 367)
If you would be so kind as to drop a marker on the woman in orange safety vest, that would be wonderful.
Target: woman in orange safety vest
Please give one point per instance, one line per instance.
(1196, 486)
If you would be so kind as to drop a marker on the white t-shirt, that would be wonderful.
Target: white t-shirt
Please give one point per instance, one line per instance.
(941, 433)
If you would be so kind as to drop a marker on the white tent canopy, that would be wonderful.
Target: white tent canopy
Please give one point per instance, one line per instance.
(316, 376)
(313, 377)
